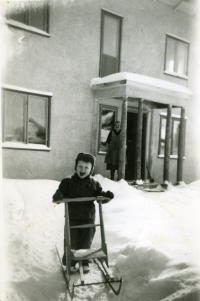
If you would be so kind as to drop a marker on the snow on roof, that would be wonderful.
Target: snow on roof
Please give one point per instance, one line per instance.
(142, 79)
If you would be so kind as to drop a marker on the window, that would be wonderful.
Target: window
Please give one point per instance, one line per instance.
(176, 57)
(26, 119)
(174, 136)
(110, 43)
(30, 15)
(107, 119)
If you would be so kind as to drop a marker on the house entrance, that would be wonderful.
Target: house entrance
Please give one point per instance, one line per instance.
(131, 146)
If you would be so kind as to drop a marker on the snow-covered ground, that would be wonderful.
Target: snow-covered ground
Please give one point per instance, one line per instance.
(153, 243)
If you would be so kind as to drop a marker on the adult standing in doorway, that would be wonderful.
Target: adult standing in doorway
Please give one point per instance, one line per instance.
(112, 147)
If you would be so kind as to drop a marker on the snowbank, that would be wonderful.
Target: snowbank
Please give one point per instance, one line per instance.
(152, 239)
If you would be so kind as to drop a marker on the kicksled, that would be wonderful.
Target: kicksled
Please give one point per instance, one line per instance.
(98, 256)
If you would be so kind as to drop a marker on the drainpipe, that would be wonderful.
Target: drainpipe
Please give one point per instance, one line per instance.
(139, 140)
(167, 145)
(181, 147)
(122, 148)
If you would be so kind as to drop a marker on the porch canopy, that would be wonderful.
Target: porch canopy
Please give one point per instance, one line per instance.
(162, 94)
(126, 84)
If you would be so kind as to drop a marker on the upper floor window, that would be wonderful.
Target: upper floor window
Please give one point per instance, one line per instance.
(174, 135)
(26, 119)
(111, 27)
(176, 56)
(30, 15)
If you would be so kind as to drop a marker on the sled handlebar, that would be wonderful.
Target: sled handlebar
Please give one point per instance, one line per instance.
(86, 199)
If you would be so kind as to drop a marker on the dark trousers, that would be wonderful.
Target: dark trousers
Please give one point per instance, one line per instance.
(81, 238)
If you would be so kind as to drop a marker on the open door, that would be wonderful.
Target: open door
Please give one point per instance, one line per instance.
(131, 146)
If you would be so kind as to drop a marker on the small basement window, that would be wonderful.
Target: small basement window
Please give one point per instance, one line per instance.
(26, 119)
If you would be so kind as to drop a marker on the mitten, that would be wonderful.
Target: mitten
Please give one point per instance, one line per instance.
(57, 196)
(109, 195)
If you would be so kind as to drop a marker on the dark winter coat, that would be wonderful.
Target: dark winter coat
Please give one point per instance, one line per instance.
(112, 156)
(75, 187)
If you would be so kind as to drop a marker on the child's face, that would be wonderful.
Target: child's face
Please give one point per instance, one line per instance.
(83, 169)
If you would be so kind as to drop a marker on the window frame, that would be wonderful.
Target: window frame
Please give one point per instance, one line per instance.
(110, 13)
(175, 59)
(101, 107)
(174, 118)
(25, 144)
(28, 27)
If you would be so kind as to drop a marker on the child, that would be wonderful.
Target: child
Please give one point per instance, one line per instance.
(81, 184)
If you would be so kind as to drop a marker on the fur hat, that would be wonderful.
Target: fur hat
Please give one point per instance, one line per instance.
(85, 157)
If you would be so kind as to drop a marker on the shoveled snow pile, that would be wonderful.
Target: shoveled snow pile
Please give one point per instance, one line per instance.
(153, 243)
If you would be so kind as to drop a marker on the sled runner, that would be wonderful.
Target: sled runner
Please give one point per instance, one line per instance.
(99, 256)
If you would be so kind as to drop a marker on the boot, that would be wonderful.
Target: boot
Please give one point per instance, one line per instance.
(86, 268)
(64, 260)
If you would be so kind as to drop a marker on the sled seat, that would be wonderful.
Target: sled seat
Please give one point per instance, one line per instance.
(88, 254)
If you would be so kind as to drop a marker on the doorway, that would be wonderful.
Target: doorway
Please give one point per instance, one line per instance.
(131, 146)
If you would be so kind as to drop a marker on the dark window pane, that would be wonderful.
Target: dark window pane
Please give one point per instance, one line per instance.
(37, 126)
(19, 13)
(38, 15)
(175, 136)
(14, 119)
(162, 135)
(109, 65)
(107, 119)
(32, 13)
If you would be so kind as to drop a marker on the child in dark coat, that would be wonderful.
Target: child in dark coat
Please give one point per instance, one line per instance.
(81, 184)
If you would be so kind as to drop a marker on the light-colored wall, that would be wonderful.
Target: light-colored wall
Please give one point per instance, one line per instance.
(65, 63)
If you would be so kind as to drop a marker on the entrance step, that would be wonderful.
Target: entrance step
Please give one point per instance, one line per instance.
(144, 185)
(148, 187)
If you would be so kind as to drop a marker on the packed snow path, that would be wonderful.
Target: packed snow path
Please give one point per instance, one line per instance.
(152, 238)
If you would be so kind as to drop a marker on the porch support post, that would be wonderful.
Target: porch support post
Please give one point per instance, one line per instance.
(167, 145)
(139, 140)
(122, 148)
(181, 147)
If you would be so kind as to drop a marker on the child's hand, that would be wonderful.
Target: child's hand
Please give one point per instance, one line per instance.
(56, 202)
(57, 196)
(109, 195)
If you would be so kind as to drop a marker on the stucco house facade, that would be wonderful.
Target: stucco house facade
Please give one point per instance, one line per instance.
(74, 67)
